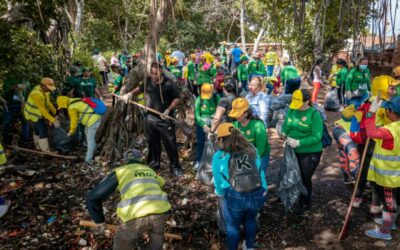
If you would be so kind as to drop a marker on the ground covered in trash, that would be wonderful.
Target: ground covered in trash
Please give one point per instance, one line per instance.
(47, 202)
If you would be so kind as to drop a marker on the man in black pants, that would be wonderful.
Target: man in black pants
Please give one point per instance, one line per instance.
(162, 95)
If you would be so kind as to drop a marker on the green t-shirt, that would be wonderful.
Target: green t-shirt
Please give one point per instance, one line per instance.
(341, 76)
(305, 126)
(88, 86)
(289, 72)
(242, 72)
(175, 71)
(204, 76)
(204, 109)
(358, 79)
(118, 84)
(73, 83)
(256, 67)
(191, 71)
(256, 134)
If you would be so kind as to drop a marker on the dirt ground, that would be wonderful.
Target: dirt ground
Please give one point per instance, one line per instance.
(47, 202)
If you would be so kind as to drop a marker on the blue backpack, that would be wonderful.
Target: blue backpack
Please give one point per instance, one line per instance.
(97, 105)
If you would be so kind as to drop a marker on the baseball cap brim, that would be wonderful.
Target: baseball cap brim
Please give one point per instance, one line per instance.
(206, 95)
(235, 113)
(296, 104)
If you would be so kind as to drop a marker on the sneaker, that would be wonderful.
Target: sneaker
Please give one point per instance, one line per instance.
(376, 233)
(357, 202)
(341, 109)
(196, 166)
(177, 172)
(379, 221)
(373, 209)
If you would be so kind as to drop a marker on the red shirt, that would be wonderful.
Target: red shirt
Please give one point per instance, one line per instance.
(379, 133)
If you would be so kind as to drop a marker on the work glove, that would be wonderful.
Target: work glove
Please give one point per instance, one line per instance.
(165, 114)
(56, 123)
(70, 134)
(206, 129)
(375, 105)
(348, 94)
(292, 142)
(126, 97)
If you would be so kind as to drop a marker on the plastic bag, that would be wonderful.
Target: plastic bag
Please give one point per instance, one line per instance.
(280, 102)
(61, 141)
(205, 174)
(290, 184)
(332, 101)
(220, 216)
(277, 116)
(318, 107)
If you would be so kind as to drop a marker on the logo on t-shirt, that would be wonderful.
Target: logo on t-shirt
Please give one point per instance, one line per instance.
(304, 118)
(248, 132)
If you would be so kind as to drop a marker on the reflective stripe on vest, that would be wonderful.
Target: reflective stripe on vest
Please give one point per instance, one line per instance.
(32, 107)
(387, 157)
(84, 113)
(384, 172)
(137, 199)
(135, 182)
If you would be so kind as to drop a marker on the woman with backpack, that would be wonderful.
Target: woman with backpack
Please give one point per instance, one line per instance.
(204, 110)
(252, 128)
(240, 182)
(81, 112)
(258, 99)
(317, 79)
(303, 128)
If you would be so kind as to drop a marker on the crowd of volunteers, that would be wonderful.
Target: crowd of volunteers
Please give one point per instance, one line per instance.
(233, 93)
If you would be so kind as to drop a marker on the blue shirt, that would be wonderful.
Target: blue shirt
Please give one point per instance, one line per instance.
(220, 164)
(236, 53)
(259, 103)
(178, 54)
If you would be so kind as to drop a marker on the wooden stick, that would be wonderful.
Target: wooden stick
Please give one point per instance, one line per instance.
(42, 153)
(343, 231)
(87, 223)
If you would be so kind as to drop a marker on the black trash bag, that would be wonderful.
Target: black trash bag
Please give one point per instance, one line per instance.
(332, 101)
(277, 116)
(290, 185)
(61, 141)
(204, 174)
(280, 102)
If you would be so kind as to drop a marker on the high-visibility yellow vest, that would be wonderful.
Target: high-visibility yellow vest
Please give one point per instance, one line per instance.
(384, 168)
(3, 158)
(141, 194)
(345, 125)
(86, 115)
(381, 117)
(271, 58)
(31, 111)
(167, 60)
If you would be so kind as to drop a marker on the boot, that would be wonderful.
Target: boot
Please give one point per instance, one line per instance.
(383, 232)
(36, 141)
(44, 145)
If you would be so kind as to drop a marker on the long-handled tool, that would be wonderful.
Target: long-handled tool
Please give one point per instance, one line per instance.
(68, 157)
(186, 129)
(345, 226)
(87, 223)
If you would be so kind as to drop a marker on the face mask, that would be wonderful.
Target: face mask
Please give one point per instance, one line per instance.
(363, 67)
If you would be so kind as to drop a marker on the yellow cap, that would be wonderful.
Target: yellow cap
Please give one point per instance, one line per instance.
(218, 64)
(174, 59)
(396, 71)
(62, 102)
(239, 106)
(49, 83)
(270, 48)
(168, 51)
(298, 98)
(381, 84)
(206, 91)
(193, 56)
(224, 129)
(348, 112)
(272, 79)
(224, 42)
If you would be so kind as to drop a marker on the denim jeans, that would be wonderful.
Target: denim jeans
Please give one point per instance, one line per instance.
(201, 138)
(129, 232)
(242, 209)
(270, 70)
(40, 128)
(13, 113)
(292, 85)
(91, 140)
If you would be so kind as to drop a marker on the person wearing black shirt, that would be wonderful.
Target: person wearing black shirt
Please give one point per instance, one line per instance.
(162, 95)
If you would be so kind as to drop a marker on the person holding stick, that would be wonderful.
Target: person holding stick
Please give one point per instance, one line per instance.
(161, 95)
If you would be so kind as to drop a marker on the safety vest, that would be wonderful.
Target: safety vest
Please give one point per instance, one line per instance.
(270, 58)
(140, 191)
(345, 125)
(31, 111)
(86, 114)
(3, 158)
(384, 168)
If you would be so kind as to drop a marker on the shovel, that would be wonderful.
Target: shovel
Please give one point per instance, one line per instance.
(186, 128)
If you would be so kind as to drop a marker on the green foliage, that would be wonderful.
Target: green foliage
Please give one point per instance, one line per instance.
(23, 56)
(98, 34)
(85, 57)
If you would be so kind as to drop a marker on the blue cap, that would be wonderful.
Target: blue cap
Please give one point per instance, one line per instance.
(393, 104)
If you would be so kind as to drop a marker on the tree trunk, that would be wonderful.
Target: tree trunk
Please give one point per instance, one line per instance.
(242, 33)
(79, 11)
(257, 41)
(317, 34)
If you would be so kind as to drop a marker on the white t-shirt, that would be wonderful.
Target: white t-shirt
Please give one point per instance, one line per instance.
(102, 63)
(315, 75)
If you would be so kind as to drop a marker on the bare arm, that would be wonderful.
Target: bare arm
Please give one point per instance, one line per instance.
(217, 118)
